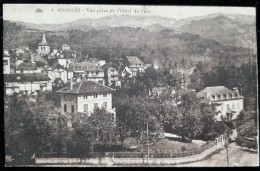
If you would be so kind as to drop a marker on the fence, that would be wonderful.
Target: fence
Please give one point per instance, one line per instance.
(137, 158)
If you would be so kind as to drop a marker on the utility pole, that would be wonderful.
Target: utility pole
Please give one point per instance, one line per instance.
(147, 144)
(226, 145)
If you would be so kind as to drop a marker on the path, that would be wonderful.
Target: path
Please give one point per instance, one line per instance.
(238, 156)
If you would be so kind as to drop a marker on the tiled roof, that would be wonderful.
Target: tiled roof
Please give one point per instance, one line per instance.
(84, 67)
(133, 60)
(25, 77)
(37, 58)
(86, 87)
(27, 66)
(24, 47)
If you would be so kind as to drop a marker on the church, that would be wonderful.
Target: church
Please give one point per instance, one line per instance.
(43, 46)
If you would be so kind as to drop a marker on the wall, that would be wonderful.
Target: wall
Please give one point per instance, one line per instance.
(91, 100)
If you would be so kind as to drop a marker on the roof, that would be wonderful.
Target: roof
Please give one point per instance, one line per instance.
(84, 67)
(43, 42)
(106, 66)
(133, 60)
(37, 58)
(24, 47)
(85, 87)
(24, 56)
(25, 77)
(6, 53)
(57, 65)
(158, 88)
(27, 66)
(65, 45)
(216, 90)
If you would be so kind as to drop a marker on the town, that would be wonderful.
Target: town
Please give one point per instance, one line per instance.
(81, 98)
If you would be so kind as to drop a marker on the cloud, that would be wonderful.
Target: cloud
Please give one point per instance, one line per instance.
(38, 10)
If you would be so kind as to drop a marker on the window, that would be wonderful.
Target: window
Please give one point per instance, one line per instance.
(233, 106)
(96, 72)
(105, 95)
(72, 108)
(85, 96)
(227, 106)
(105, 105)
(95, 105)
(65, 108)
(85, 107)
(95, 95)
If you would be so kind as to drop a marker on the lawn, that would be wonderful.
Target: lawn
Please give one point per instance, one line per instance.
(165, 145)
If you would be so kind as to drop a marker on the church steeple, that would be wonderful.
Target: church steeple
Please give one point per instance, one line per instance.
(43, 39)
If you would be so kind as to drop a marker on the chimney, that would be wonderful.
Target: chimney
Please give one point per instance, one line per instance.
(205, 94)
(236, 90)
(221, 96)
(32, 59)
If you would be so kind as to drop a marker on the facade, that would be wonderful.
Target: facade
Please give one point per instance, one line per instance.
(65, 47)
(85, 96)
(43, 47)
(230, 103)
(6, 62)
(26, 83)
(86, 71)
(28, 68)
(134, 64)
(126, 72)
(58, 72)
(111, 76)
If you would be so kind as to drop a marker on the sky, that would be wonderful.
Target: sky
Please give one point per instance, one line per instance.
(62, 13)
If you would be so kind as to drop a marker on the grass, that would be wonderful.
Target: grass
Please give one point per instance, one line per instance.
(165, 145)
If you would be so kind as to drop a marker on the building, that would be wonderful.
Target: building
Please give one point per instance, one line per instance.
(6, 62)
(85, 96)
(126, 72)
(58, 71)
(26, 83)
(43, 47)
(28, 68)
(230, 102)
(86, 71)
(111, 76)
(65, 47)
(134, 64)
(25, 48)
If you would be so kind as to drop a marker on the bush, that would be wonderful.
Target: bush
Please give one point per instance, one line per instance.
(183, 148)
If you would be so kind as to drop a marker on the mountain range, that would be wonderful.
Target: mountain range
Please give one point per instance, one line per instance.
(229, 29)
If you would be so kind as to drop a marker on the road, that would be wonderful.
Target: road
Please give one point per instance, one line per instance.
(238, 156)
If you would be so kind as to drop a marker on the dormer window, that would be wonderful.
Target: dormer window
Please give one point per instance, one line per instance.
(213, 96)
(18, 77)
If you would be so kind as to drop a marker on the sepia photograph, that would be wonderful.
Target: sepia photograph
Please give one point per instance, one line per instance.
(130, 86)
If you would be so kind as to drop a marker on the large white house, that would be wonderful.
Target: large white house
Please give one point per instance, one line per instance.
(86, 71)
(85, 96)
(134, 64)
(231, 103)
